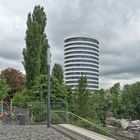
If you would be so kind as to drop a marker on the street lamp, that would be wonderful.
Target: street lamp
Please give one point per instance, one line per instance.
(48, 95)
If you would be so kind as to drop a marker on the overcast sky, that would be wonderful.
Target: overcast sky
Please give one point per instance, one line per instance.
(115, 23)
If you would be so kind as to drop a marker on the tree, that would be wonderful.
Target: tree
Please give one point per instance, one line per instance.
(35, 53)
(57, 72)
(96, 107)
(4, 88)
(131, 101)
(21, 98)
(115, 100)
(81, 97)
(39, 89)
(15, 80)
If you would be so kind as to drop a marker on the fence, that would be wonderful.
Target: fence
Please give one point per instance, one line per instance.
(36, 113)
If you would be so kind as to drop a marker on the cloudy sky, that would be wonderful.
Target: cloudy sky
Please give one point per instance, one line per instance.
(115, 23)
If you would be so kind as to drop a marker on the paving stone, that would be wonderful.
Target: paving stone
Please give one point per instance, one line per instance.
(29, 132)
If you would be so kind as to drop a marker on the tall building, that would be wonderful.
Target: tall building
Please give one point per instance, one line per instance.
(81, 58)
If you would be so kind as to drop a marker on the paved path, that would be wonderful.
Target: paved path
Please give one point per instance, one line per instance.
(29, 132)
(85, 132)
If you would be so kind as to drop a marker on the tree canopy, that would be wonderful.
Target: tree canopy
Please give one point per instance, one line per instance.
(15, 79)
(4, 88)
(57, 72)
(35, 53)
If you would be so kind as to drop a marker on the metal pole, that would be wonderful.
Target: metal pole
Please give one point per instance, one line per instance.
(48, 103)
(67, 114)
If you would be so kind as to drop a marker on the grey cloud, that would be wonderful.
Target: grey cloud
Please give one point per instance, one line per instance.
(114, 23)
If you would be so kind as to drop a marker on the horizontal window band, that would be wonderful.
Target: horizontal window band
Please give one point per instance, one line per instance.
(82, 73)
(81, 60)
(81, 52)
(81, 48)
(81, 39)
(85, 65)
(81, 56)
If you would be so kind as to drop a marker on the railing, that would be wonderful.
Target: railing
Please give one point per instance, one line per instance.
(36, 113)
(74, 119)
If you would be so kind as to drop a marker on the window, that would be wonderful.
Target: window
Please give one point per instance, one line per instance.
(81, 39)
(83, 73)
(82, 43)
(81, 52)
(81, 56)
(89, 61)
(81, 48)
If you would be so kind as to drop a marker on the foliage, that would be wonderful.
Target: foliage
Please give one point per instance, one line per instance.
(39, 89)
(15, 80)
(96, 107)
(58, 117)
(81, 97)
(57, 91)
(35, 53)
(4, 88)
(131, 101)
(21, 98)
(39, 111)
(95, 128)
(115, 100)
(57, 72)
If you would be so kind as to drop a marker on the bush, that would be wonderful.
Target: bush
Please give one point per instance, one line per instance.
(58, 117)
(21, 99)
(39, 111)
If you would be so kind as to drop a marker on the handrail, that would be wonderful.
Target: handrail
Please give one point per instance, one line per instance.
(91, 123)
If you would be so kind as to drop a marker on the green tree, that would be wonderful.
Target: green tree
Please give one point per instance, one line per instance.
(4, 88)
(57, 72)
(38, 91)
(21, 98)
(81, 97)
(15, 79)
(131, 101)
(115, 100)
(35, 53)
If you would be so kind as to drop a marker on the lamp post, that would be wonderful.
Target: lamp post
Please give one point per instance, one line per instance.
(48, 95)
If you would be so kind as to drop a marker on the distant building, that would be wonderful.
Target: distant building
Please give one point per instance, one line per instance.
(81, 57)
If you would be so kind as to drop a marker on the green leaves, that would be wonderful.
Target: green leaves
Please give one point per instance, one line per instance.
(4, 88)
(131, 100)
(35, 53)
(81, 97)
(57, 72)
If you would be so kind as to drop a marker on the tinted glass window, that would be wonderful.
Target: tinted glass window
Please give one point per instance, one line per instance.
(81, 43)
(89, 61)
(80, 56)
(81, 48)
(81, 39)
(86, 65)
(82, 52)
(78, 77)
(84, 69)
(83, 73)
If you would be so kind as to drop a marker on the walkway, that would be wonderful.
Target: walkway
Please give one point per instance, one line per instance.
(85, 133)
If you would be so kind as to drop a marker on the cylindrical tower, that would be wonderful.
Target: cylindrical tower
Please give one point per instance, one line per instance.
(81, 57)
